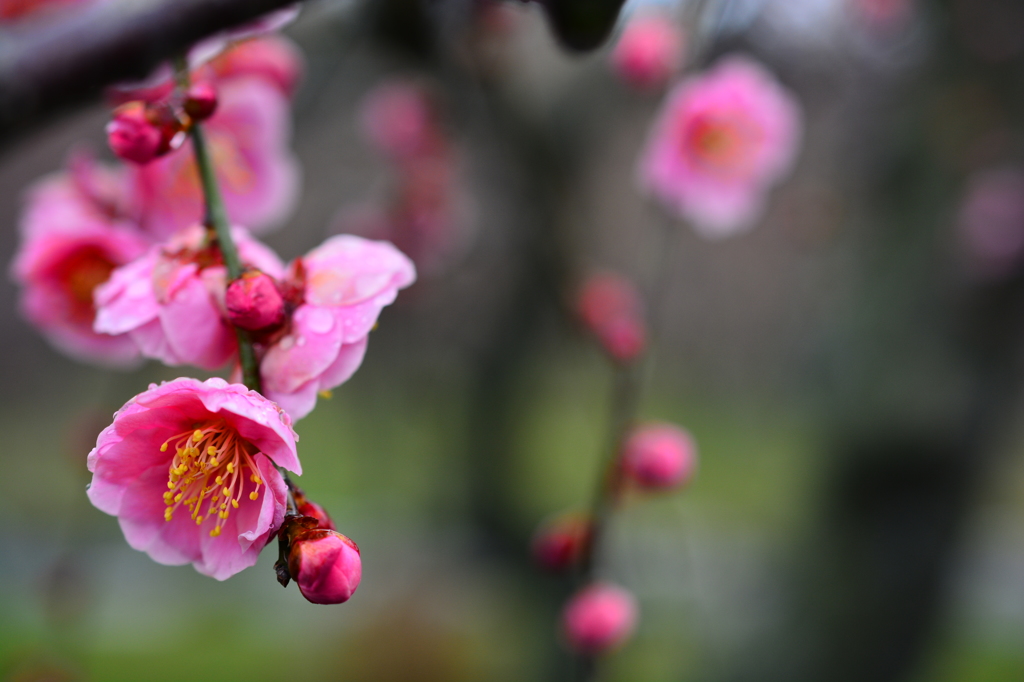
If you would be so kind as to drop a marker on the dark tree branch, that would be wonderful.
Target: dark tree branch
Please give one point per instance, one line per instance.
(48, 67)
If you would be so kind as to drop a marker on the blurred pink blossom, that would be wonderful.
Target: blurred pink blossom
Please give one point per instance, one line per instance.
(325, 565)
(649, 51)
(611, 308)
(74, 232)
(16, 10)
(170, 301)
(340, 289)
(399, 119)
(991, 219)
(248, 139)
(659, 456)
(599, 617)
(188, 469)
(722, 139)
(251, 49)
(273, 58)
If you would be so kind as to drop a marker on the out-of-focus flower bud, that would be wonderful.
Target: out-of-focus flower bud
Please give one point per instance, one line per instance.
(200, 101)
(131, 134)
(659, 456)
(599, 617)
(611, 308)
(991, 220)
(253, 302)
(558, 543)
(649, 51)
(325, 564)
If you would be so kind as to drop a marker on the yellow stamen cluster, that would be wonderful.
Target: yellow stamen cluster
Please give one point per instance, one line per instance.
(209, 466)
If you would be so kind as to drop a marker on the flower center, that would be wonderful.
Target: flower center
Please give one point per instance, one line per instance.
(721, 143)
(82, 272)
(210, 466)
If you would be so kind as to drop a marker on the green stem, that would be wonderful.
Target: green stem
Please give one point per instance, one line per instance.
(217, 219)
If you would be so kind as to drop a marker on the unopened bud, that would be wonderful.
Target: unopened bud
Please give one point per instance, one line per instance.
(325, 565)
(558, 543)
(253, 302)
(599, 617)
(132, 136)
(200, 101)
(659, 456)
(611, 308)
(648, 52)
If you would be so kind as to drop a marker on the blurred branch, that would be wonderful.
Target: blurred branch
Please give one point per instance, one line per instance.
(46, 67)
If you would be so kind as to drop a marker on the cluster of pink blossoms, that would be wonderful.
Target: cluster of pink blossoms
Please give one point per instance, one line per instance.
(722, 139)
(402, 121)
(116, 265)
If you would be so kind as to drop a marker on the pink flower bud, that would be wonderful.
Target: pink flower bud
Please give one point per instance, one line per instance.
(132, 135)
(649, 51)
(599, 617)
(253, 302)
(200, 101)
(558, 543)
(326, 566)
(659, 456)
(611, 308)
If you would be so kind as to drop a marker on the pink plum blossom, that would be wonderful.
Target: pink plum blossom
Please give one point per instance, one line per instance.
(170, 301)
(659, 456)
(399, 119)
(721, 140)
(265, 54)
(248, 138)
(991, 219)
(188, 469)
(649, 51)
(74, 232)
(599, 617)
(326, 565)
(340, 289)
(273, 58)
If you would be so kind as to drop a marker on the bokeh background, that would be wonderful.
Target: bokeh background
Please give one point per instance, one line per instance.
(850, 370)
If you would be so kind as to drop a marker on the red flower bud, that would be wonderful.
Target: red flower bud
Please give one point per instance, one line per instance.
(325, 565)
(200, 101)
(599, 617)
(559, 542)
(659, 456)
(132, 135)
(253, 302)
(611, 308)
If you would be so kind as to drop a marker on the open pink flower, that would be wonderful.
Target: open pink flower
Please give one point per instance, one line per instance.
(721, 140)
(248, 138)
(341, 287)
(73, 234)
(170, 301)
(188, 469)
